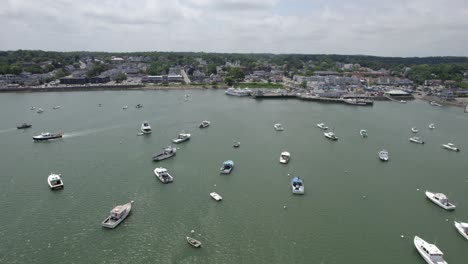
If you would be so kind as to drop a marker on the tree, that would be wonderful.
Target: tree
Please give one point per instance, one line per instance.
(120, 77)
(229, 81)
(236, 73)
(212, 69)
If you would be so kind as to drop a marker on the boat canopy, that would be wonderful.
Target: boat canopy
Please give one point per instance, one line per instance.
(440, 196)
(229, 162)
(433, 250)
(54, 177)
(118, 211)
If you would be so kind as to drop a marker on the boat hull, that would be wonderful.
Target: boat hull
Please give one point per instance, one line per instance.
(111, 224)
(418, 242)
(449, 207)
(458, 226)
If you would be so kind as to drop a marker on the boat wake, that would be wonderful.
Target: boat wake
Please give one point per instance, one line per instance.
(7, 130)
(90, 131)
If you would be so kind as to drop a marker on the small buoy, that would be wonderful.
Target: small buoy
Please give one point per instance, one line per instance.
(364, 197)
(417, 189)
(284, 206)
(289, 174)
(402, 236)
(214, 185)
(193, 231)
(446, 220)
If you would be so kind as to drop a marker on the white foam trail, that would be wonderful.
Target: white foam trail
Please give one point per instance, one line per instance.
(7, 130)
(90, 131)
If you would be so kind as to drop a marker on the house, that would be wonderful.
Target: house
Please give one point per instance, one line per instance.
(198, 76)
(100, 79)
(73, 80)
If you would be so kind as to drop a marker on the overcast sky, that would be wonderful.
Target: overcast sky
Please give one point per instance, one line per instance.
(372, 27)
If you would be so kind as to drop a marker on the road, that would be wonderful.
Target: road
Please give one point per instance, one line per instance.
(184, 74)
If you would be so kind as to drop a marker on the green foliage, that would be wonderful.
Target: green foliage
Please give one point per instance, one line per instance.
(212, 69)
(229, 81)
(443, 72)
(120, 77)
(158, 68)
(95, 70)
(236, 73)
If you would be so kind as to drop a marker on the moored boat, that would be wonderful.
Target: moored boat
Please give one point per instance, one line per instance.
(322, 126)
(193, 242)
(48, 136)
(363, 133)
(431, 126)
(451, 146)
(356, 102)
(139, 106)
(117, 215)
(56, 107)
(414, 130)
(204, 124)
(227, 167)
(39, 110)
(297, 185)
(330, 135)
(145, 128)
(429, 252)
(284, 157)
(163, 175)
(416, 140)
(441, 200)
(236, 144)
(383, 155)
(125, 107)
(238, 91)
(181, 138)
(216, 196)
(55, 181)
(462, 228)
(24, 126)
(165, 154)
(278, 127)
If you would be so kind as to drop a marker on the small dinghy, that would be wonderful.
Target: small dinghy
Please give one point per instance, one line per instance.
(145, 128)
(40, 110)
(193, 242)
(322, 126)
(431, 126)
(204, 124)
(165, 154)
(416, 140)
(363, 133)
(414, 130)
(297, 185)
(125, 107)
(285, 157)
(216, 196)
(118, 214)
(383, 155)
(163, 175)
(441, 200)
(236, 144)
(278, 127)
(55, 181)
(227, 167)
(182, 138)
(56, 107)
(462, 228)
(330, 135)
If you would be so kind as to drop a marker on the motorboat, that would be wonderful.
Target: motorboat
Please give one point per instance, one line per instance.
(416, 140)
(48, 136)
(414, 130)
(363, 133)
(434, 103)
(181, 138)
(297, 185)
(330, 135)
(462, 228)
(238, 91)
(429, 252)
(431, 126)
(39, 110)
(451, 146)
(204, 124)
(163, 175)
(56, 107)
(441, 200)
(138, 106)
(284, 157)
(322, 126)
(236, 144)
(278, 127)
(227, 167)
(216, 196)
(145, 128)
(24, 126)
(55, 181)
(193, 242)
(165, 154)
(383, 155)
(117, 215)
(125, 107)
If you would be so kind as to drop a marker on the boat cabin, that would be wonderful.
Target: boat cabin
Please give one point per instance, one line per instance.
(434, 253)
(441, 198)
(118, 212)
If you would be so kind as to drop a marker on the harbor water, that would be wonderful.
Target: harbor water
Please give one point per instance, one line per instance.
(355, 208)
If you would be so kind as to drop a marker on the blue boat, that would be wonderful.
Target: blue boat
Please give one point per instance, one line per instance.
(297, 185)
(227, 167)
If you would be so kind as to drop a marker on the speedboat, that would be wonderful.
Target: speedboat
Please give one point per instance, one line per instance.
(163, 175)
(414, 130)
(462, 228)
(363, 133)
(117, 215)
(416, 140)
(383, 155)
(429, 252)
(204, 124)
(238, 92)
(193, 242)
(56, 107)
(330, 135)
(54, 181)
(322, 126)
(48, 136)
(441, 200)
(297, 185)
(167, 153)
(284, 157)
(278, 127)
(451, 146)
(24, 126)
(431, 126)
(181, 138)
(145, 128)
(39, 110)
(125, 107)
(227, 167)
(216, 196)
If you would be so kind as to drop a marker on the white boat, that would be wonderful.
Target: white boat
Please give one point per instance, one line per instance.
(402, 101)
(383, 155)
(163, 175)
(47, 136)
(204, 124)
(125, 107)
(145, 128)
(39, 110)
(431, 126)
(181, 138)
(363, 133)
(284, 157)
(451, 146)
(322, 126)
(56, 107)
(118, 214)
(55, 181)
(238, 91)
(216, 196)
(414, 130)
(429, 252)
(278, 127)
(297, 185)
(330, 135)
(227, 167)
(416, 140)
(462, 228)
(441, 200)
(193, 242)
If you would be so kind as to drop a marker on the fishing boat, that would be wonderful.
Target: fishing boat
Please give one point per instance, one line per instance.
(55, 181)
(434, 103)
(204, 124)
(117, 215)
(297, 185)
(39, 110)
(363, 133)
(416, 140)
(330, 135)
(383, 155)
(56, 107)
(165, 154)
(47, 136)
(227, 167)
(24, 126)
(193, 242)
(163, 175)
(414, 130)
(278, 127)
(145, 128)
(429, 252)
(322, 126)
(451, 146)
(284, 157)
(441, 200)
(462, 228)
(181, 138)
(216, 196)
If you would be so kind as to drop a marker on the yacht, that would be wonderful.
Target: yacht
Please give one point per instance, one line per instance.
(278, 127)
(145, 128)
(363, 133)
(431, 126)
(117, 215)
(284, 157)
(429, 252)
(39, 110)
(238, 92)
(462, 228)
(204, 124)
(48, 136)
(193, 242)
(216, 196)
(441, 200)
(330, 135)
(24, 126)
(181, 138)
(297, 185)
(54, 181)
(56, 107)
(322, 126)
(451, 146)
(416, 140)
(383, 155)
(163, 175)
(125, 107)
(414, 130)
(165, 154)
(227, 167)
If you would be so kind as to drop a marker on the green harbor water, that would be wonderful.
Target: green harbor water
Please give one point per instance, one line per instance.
(104, 163)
